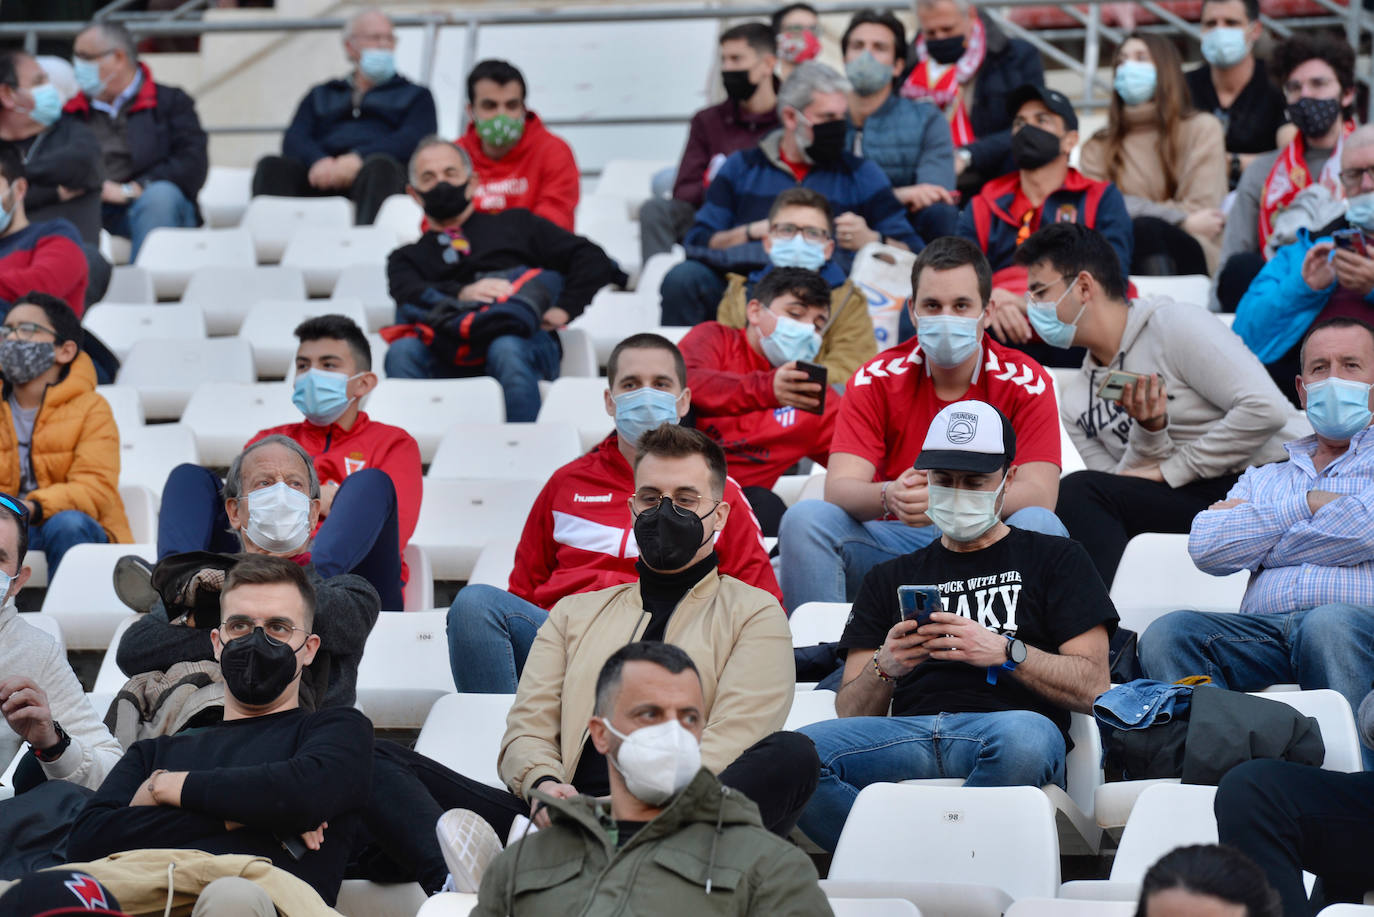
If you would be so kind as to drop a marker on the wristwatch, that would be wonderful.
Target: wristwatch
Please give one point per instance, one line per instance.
(128, 189)
(1016, 654)
(53, 752)
(963, 155)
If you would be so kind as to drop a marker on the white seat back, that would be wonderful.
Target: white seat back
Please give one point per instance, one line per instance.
(124, 405)
(1068, 907)
(140, 508)
(1333, 714)
(810, 707)
(505, 450)
(166, 372)
(1195, 289)
(225, 294)
(494, 564)
(404, 668)
(172, 255)
(47, 624)
(225, 416)
(400, 214)
(148, 454)
(130, 284)
(873, 907)
(458, 519)
(580, 402)
(427, 408)
(463, 732)
(121, 325)
(1166, 816)
(81, 595)
(1141, 594)
(818, 622)
(109, 679)
(272, 221)
(225, 195)
(323, 253)
(366, 283)
(270, 323)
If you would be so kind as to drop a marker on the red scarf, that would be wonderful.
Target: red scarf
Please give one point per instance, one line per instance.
(1289, 175)
(948, 91)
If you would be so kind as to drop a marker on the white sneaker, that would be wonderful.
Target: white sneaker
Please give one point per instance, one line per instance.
(469, 845)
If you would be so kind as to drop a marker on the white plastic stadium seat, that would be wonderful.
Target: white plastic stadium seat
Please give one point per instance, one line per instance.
(459, 518)
(873, 907)
(270, 323)
(122, 325)
(323, 253)
(366, 283)
(1068, 907)
(225, 196)
(404, 669)
(47, 624)
(1156, 576)
(1346, 910)
(172, 255)
(400, 214)
(505, 450)
(419, 590)
(655, 269)
(630, 179)
(579, 357)
(818, 622)
(225, 294)
(427, 408)
(1194, 289)
(580, 402)
(810, 707)
(606, 221)
(361, 898)
(612, 316)
(82, 598)
(124, 405)
(463, 732)
(273, 221)
(109, 679)
(447, 904)
(148, 454)
(130, 284)
(225, 416)
(140, 508)
(494, 564)
(166, 372)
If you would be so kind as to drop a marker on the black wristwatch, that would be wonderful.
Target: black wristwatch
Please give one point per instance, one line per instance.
(1016, 653)
(56, 751)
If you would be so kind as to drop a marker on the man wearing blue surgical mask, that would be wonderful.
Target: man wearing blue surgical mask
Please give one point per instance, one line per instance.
(354, 135)
(1302, 529)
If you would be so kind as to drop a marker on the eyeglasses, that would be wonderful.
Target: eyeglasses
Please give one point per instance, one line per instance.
(784, 231)
(646, 501)
(24, 330)
(95, 56)
(276, 629)
(1354, 178)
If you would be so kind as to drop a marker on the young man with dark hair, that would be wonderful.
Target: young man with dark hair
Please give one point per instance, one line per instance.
(748, 57)
(797, 29)
(353, 136)
(521, 162)
(577, 539)
(1159, 449)
(57, 431)
(43, 256)
(875, 500)
(273, 781)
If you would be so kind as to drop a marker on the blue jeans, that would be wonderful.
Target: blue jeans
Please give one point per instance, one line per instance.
(1009, 748)
(517, 363)
(490, 633)
(63, 531)
(825, 552)
(160, 204)
(690, 294)
(1330, 646)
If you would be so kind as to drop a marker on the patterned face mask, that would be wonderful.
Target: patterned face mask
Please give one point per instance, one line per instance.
(500, 131)
(23, 361)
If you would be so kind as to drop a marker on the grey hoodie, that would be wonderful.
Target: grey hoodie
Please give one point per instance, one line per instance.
(1225, 413)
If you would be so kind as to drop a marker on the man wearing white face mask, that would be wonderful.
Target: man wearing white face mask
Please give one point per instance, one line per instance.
(1303, 529)
(665, 808)
(983, 689)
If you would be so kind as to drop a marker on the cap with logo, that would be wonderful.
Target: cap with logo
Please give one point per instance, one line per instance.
(58, 891)
(1056, 102)
(968, 436)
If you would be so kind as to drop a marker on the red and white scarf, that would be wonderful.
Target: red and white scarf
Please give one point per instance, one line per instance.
(947, 91)
(1289, 175)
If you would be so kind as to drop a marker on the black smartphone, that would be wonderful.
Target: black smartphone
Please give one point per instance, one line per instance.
(294, 846)
(918, 602)
(1351, 240)
(815, 372)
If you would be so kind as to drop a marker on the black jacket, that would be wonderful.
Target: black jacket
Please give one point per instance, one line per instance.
(391, 118)
(65, 154)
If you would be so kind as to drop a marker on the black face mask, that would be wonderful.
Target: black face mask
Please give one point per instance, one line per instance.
(827, 143)
(445, 201)
(945, 50)
(257, 669)
(1314, 117)
(668, 537)
(738, 87)
(1033, 147)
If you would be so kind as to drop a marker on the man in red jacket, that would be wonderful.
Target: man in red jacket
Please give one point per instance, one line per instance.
(521, 163)
(578, 536)
(370, 475)
(46, 256)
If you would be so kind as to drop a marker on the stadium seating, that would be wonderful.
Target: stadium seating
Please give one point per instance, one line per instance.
(419, 590)
(494, 564)
(224, 416)
(511, 450)
(818, 622)
(810, 707)
(578, 401)
(1068, 907)
(463, 732)
(270, 322)
(459, 518)
(402, 216)
(172, 255)
(272, 221)
(166, 372)
(130, 284)
(366, 283)
(124, 405)
(1141, 593)
(404, 669)
(448, 904)
(47, 624)
(225, 196)
(148, 454)
(140, 507)
(427, 408)
(873, 907)
(81, 596)
(122, 325)
(322, 253)
(226, 294)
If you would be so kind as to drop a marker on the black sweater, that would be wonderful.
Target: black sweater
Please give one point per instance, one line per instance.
(417, 274)
(278, 776)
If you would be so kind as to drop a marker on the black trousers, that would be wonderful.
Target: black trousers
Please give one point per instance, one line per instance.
(1161, 248)
(380, 177)
(1235, 276)
(1290, 817)
(1103, 511)
(768, 508)
(409, 793)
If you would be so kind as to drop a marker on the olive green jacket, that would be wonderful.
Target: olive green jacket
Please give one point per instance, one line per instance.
(706, 853)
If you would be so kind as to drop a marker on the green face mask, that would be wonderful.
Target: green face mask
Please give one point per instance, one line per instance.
(500, 130)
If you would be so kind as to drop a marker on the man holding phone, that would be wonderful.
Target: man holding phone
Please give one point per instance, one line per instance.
(1168, 408)
(983, 691)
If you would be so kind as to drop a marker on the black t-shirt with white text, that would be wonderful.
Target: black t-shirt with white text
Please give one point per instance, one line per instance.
(1041, 589)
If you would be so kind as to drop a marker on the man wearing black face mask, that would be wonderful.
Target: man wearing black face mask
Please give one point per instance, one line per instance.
(273, 780)
(484, 293)
(748, 56)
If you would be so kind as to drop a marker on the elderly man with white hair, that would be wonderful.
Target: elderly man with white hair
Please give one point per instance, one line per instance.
(353, 135)
(807, 150)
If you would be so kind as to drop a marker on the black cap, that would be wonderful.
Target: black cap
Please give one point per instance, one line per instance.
(1056, 102)
(58, 891)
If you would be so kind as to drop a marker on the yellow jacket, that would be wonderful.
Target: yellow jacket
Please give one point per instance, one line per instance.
(75, 452)
(847, 341)
(736, 634)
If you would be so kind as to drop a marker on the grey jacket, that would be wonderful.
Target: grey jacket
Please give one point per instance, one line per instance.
(1225, 413)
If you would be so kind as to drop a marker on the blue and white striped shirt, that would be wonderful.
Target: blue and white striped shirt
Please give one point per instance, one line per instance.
(1299, 559)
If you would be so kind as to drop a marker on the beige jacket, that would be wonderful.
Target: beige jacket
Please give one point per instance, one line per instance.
(1202, 175)
(736, 634)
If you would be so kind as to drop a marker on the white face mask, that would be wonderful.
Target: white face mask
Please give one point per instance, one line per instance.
(278, 518)
(961, 514)
(656, 761)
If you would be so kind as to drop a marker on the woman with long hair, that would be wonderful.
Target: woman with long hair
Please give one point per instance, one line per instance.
(1167, 159)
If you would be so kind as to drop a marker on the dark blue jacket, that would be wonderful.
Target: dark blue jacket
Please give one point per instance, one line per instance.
(392, 118)
(744, 188)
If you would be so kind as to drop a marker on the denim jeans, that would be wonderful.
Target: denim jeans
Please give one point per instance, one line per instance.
(1008, 748)
(160, 204)
(825, 552)
(690, 294)
(490, 633)
(61, 532)
(517, 363)
(1330, 646)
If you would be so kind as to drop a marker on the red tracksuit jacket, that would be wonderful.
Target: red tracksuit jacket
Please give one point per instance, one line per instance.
(538, 173)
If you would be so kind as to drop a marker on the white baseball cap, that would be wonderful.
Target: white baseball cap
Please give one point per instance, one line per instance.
(968, 436)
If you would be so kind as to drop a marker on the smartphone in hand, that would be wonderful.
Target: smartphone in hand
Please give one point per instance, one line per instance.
(918, 602)
(1115, 383)
(815, 372)
(1352, 240)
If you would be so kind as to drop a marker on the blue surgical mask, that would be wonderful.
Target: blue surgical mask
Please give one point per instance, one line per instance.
(790, 340)
(47, 104)
(1135, 81)
(7, 213)
(947, 340)
(1044, 318)
(1359, 211)
(642, 410)
(377, 64)
(322, 396)
(867, 74)
(797, 252)
(87, 73)
(1338, 408)
(1225, 47)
